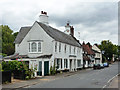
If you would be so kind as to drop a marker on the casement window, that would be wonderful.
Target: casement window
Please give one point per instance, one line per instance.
(58, 63)
(35, 47)
(74, 50)
(59, 47)
(55, 46)
(65, 48)
(79, 63)
(39, 47)
(70, 49)
(65, 63)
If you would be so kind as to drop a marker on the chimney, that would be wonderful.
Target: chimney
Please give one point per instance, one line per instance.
(67, 29)
(43, 18)
(71, 31)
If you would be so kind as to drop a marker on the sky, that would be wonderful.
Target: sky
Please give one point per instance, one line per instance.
(92, 20)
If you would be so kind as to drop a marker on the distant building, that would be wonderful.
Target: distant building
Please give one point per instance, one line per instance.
(98, 54)
(88, 56)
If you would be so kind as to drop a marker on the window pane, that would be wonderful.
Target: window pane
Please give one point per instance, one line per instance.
(55, 46)
(29, 47)
(34, 47)
(39, 47)
(59, 47)
(65, 48)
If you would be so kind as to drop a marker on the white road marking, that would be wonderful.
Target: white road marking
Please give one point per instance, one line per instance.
(110, 81)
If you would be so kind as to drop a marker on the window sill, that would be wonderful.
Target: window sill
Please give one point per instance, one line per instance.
(35, 52)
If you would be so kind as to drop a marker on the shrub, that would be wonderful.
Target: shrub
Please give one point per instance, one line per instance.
(51, 70)
(0, 67)
(54, 69)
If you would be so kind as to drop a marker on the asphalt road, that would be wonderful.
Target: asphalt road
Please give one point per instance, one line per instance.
(87, 79)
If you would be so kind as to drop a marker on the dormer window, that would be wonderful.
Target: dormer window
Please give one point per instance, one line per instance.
(35, 47)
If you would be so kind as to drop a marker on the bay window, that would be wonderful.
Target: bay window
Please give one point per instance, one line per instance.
(35, 47)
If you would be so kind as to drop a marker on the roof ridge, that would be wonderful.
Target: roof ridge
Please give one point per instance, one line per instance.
(59, 35)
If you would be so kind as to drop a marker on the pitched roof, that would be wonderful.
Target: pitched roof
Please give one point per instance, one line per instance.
(22, 33)
(52, 32)
(87, 49)
(59, 36)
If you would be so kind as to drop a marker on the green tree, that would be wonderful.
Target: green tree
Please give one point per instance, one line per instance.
(7, 39)
(109, 49)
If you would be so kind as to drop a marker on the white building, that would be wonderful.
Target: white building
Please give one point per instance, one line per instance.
(43, 45)
(98, 54)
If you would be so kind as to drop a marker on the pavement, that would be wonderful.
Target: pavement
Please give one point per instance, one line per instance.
(114, 83)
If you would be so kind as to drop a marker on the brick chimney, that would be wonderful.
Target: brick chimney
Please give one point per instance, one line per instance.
(43, 18)
(71, 31)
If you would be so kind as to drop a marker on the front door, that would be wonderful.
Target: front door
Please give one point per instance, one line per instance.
(40, 69)
(46, 68)
(70, 64)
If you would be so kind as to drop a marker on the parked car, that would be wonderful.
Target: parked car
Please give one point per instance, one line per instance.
(101, 66)
(106, 64)
(96, 66)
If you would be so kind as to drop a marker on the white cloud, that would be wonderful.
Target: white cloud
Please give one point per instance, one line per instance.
(95, 21)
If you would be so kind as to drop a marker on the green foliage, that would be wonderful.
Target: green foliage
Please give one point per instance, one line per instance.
(51, 70)
(54, 69)
(7, 38)
(4, 55)
(0, 67)
(109, 49)
(14, 65)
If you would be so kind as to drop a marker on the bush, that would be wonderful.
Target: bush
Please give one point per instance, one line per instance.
(51, 71)
(0, 67)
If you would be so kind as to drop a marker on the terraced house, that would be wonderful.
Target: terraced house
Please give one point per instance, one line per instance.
(42, 46)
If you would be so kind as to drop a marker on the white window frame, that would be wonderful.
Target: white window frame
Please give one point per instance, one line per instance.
(30, 47)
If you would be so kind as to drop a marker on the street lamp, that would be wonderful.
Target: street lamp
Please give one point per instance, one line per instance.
(103, 54)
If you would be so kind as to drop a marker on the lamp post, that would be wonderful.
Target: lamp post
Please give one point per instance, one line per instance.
(103, 54)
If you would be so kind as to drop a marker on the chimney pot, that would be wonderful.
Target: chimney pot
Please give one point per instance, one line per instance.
(67, 24)
(72, 31)
(41, 12)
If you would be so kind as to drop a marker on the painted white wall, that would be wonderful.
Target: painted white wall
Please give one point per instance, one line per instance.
(36, 33)
(64, 55)
(17, 48)
(43, 18)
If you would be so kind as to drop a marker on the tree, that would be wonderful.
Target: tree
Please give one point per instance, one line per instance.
(108, 48)
(7, 40)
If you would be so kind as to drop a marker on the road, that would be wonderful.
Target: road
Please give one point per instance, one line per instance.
(87, 79)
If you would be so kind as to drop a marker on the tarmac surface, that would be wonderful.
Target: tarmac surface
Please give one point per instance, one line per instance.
(89, 78)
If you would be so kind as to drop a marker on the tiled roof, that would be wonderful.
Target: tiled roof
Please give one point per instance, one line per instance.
(22, 33)
(52, 32)
(87, 49)
(59, 36)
